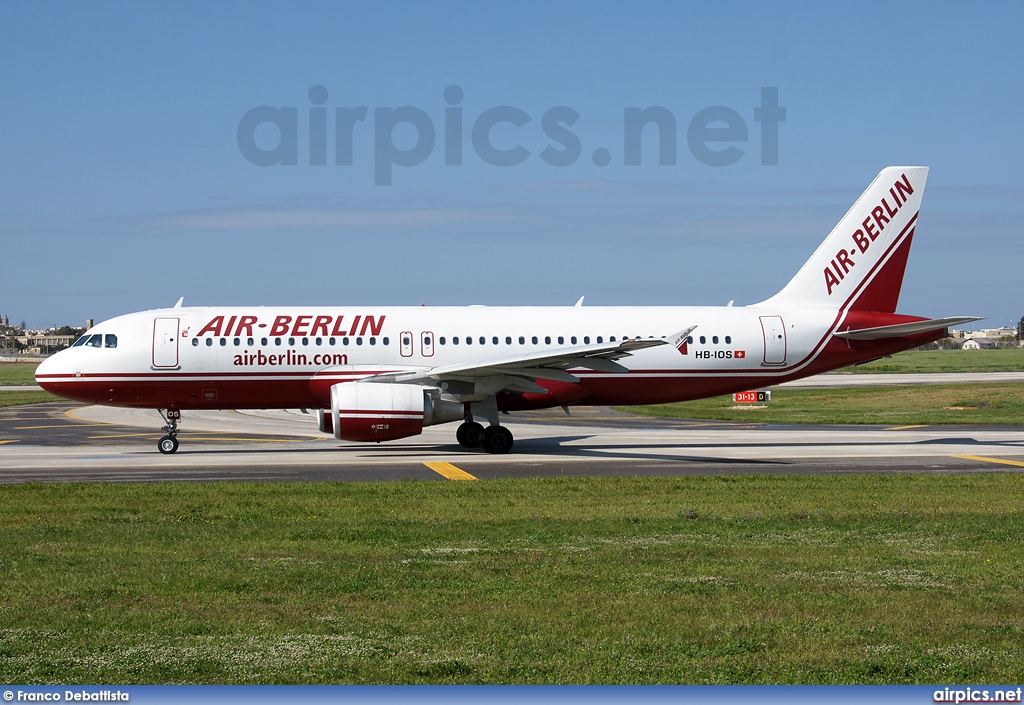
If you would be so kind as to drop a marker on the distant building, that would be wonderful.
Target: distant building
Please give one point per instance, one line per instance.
(992, 333)
(979, 344)
(42, 343)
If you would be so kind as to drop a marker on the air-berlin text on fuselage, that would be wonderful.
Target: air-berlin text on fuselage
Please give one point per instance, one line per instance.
(312, 325)
(869, 230)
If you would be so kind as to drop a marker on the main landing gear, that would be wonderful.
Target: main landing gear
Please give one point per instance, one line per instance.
(169, 443)
(493, 439)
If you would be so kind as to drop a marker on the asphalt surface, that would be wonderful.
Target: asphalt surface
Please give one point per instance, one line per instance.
(66, 442)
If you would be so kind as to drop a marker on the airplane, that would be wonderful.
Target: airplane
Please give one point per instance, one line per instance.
(383, 373)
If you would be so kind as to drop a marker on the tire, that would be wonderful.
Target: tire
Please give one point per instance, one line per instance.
(469, 434)
(497, 440)
(167, 445)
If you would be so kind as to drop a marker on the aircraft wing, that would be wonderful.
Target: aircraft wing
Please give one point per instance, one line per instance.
(518, 372)
(900, 330)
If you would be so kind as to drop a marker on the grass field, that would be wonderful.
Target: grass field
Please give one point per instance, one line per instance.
(1009, 360)
(731, 579)
(897, 405)
(17, 373)
(21, 398)
(12, 373)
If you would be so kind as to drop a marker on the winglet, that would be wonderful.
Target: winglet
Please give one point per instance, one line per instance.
(180, 302)
(679, 338)
(579, 304)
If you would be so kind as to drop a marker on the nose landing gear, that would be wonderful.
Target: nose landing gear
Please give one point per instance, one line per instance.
(169, 443)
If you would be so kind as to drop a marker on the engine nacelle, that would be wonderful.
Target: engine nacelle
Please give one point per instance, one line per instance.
(368, 411)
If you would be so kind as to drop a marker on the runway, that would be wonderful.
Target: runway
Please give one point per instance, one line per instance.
(65, 442)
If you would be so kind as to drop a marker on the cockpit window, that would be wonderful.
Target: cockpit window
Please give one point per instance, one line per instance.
(95, 341)
(110, 340)
(81, 341)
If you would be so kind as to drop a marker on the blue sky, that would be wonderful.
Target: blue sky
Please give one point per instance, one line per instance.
(123, 187)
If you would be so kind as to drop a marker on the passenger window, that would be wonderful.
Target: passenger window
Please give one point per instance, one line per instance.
(494, 340)
(331, 341)
(95, 341)
(547, 340)
(714, 339)
(110, 340)
(689, 339)
(728, 339)
(387, 341)
(250, 342)
(319, 341)
(561, 340)
(703, 340)
(508, 340)
(469, 341)
(305, 341)
(195, 342)
(209, 342)
(483, 340)
(534, 340)
(291, 341)
(344, 341)
(573, 340)
(238, 341)
(441, 340)
(455, 340)
(263, 341)
(586, 340)
(277, 341)
(600, 339)
(426, 341)
(522, 340)
(373, 341)
(359, 341)
(223, 342)
(612, 339)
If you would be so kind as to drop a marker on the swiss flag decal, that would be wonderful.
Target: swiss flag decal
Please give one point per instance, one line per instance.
(740, 354)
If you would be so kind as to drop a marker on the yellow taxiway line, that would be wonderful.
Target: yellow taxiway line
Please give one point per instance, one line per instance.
(449, 471)
(14, 441)
(982, 458)
(904, 428)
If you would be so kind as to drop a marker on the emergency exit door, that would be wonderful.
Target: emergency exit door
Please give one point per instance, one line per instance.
(165, 342)
(774, 340)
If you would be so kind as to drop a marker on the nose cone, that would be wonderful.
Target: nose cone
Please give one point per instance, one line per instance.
(50, 371)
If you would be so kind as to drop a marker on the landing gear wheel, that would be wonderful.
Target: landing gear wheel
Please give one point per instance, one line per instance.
(469, 434)
(167, 445)
(497, 440)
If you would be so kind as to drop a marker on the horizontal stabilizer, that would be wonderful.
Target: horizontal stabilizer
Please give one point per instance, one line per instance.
(902, 330)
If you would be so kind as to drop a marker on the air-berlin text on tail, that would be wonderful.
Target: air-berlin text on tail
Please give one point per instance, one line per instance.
(294, 325)
(869, 230)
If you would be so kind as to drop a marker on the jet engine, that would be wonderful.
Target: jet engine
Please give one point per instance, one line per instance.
(383, 411)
